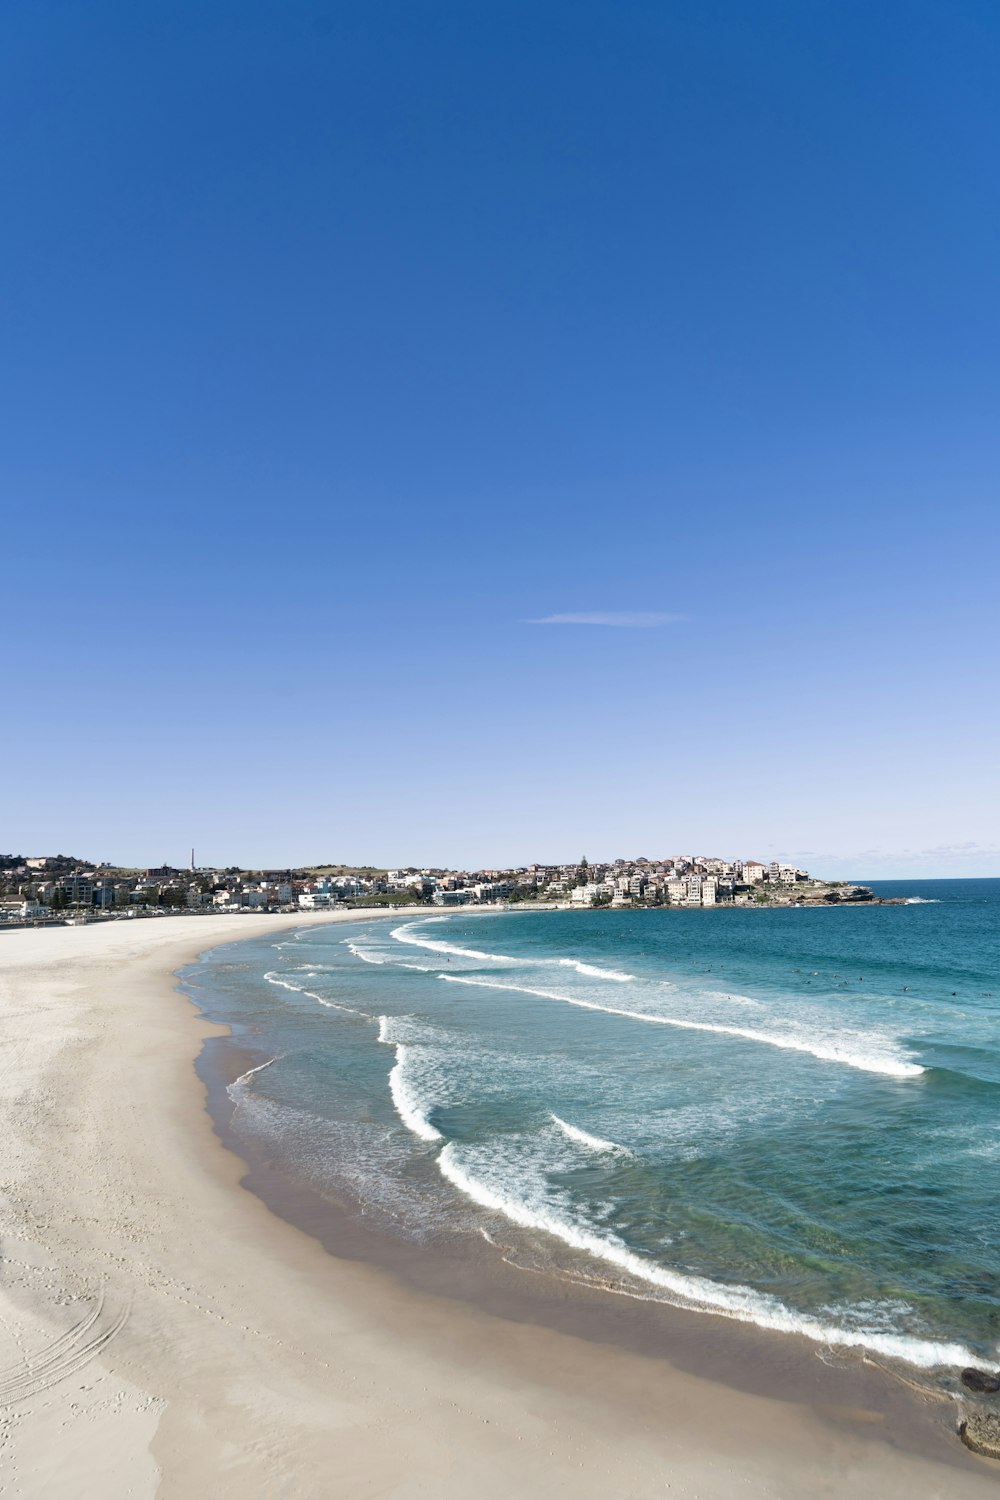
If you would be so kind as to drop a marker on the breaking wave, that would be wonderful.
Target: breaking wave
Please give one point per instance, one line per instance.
(592, 1142)
(300, 989)
(365, 954)
(245, 1078)
(405, 1098)
(825, 1051)
(406, 934)
(740, 1303)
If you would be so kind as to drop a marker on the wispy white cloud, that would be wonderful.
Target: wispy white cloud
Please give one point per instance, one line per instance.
(628, 619)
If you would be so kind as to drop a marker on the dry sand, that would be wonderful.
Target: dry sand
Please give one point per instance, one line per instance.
(161, 1333)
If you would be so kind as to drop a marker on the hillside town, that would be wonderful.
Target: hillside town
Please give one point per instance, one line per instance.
(58, 888)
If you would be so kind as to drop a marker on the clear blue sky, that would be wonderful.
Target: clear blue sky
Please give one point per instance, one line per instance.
(343, 341)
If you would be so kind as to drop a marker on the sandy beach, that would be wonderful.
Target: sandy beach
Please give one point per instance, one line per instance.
(162, 1333)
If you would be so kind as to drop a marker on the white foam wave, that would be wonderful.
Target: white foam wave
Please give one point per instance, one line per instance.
(283, 984)
(740, 1303)
(404, 1098)
(365, 954)
(348, 1010)
(406, 934)
(244, 1078)
(584, 1138)
(921, 901)
(591, 970)
(825, 1050)
(299, 989)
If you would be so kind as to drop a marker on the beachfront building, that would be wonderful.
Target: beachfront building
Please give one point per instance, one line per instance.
(453, 897)
(317, 900)
(586, 895)
(78, 890)
(489, 891)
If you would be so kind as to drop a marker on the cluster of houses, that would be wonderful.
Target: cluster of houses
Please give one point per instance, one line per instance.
(55, 887)
(685, 880)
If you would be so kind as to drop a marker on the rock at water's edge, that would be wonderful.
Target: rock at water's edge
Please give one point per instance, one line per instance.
(981, 1433)
(980, 1381)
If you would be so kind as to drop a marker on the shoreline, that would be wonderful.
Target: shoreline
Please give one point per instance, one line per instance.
(231, 1351)
(703, 1340)
(414, 909)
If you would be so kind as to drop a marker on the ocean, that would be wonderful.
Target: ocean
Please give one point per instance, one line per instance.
(786, 1117)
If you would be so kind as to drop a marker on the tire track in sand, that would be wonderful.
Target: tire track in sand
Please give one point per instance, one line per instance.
(60, 1358)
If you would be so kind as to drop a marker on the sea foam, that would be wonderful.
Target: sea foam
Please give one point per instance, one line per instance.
(365, 954)
(591, 1142)
(592, 971)
(283, 984)
(405, 1098)
(299, 989)
(826, 1051)
(245, 1078)
(406, 934)
(740, 1303)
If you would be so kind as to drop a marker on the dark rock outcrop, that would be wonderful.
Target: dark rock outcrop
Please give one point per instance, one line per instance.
(981, 1432)
(980, 1381)
(850, 893)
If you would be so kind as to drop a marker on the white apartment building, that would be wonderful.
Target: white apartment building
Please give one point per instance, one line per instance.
(753, 872)
(583, 895)
(709, 891)
(317, 900)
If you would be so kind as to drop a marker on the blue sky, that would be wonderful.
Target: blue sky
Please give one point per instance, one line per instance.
(440, 433)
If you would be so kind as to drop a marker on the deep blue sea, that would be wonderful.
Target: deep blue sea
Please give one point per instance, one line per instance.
(790, 1117)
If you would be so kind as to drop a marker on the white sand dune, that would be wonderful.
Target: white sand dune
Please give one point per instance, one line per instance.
(161, 1333)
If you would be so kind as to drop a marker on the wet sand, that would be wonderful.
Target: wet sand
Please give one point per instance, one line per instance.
(163, 1331)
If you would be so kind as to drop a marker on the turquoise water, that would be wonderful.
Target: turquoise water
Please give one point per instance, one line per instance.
(789, 1117)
